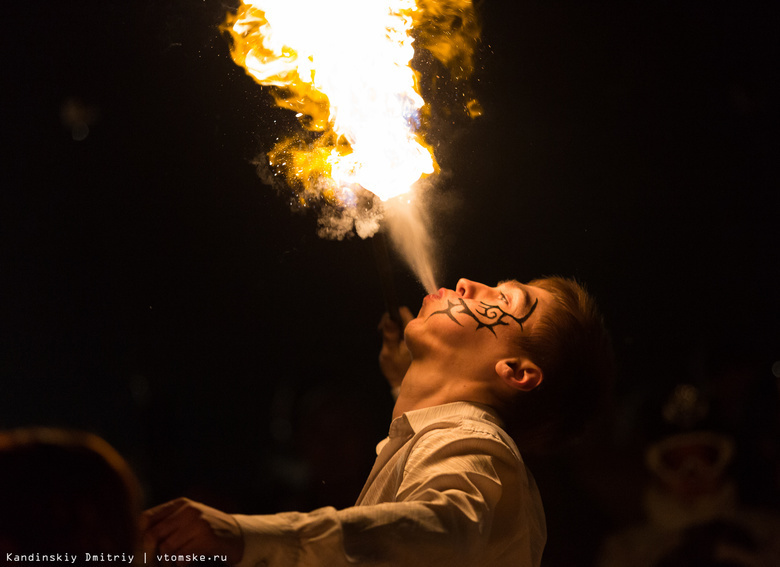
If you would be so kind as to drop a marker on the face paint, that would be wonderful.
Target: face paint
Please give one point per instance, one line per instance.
(487, 316)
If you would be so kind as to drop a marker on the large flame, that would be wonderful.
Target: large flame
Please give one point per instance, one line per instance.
(344, 67)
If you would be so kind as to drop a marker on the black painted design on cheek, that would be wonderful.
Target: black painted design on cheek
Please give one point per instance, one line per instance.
(487, 316)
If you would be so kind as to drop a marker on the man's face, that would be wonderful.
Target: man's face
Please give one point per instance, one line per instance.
(476, 320)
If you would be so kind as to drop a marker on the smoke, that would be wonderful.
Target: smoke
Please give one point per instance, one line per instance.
(408, 223)
(406, 219)
(336, 223)
(360, 212)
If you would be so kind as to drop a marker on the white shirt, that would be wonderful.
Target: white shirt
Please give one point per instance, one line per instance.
(449, 488)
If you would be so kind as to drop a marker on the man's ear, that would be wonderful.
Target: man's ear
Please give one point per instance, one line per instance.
(519, 373)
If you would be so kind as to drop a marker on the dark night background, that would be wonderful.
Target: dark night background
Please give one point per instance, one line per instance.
(156, 292)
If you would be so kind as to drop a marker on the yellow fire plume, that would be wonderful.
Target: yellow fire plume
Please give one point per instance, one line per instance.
(344, 68)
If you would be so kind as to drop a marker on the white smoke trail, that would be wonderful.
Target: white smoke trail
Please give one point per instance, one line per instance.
(408, 224)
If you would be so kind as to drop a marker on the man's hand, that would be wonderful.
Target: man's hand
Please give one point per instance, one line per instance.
(394, 358)
(182, 527)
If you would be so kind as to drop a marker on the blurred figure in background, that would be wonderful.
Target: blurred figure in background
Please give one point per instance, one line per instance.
(65, 492)
(694, 517)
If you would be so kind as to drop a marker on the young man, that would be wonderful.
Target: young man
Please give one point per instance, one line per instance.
(449, 486)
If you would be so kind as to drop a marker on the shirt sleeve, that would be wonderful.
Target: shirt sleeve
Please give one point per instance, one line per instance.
(453, 489)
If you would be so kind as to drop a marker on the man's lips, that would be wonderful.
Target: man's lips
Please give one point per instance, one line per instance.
(438, 295)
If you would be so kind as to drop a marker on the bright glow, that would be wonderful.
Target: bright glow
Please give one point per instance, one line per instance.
(343, 66)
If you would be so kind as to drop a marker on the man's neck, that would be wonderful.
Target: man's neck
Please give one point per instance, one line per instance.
(424, 388)
(406, 403)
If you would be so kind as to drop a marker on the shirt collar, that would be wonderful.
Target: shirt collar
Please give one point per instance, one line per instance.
(413, 421)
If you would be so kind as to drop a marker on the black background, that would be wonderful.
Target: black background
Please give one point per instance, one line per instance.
(156, 292)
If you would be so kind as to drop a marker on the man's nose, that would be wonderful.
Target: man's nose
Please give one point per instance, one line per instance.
(469, 289)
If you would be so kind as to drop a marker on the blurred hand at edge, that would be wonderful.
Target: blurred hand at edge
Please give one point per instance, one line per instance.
(394, 357)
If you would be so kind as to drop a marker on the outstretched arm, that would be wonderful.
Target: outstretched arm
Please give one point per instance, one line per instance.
(463, 501)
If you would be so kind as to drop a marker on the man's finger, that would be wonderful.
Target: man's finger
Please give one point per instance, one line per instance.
(153, 516)
(173, 530)
(181, 539)
(391, 332)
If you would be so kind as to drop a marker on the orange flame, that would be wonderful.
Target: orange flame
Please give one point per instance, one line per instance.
(344, 67)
